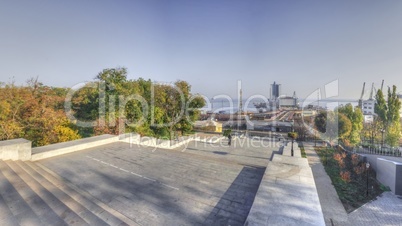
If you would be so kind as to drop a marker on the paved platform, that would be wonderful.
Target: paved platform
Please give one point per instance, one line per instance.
(203, 185)
(385, 211)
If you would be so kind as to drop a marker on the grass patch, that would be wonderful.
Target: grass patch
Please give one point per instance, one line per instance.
(349, 177)
(303, 152)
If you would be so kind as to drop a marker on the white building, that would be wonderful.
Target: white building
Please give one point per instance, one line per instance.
(288, 102)
(368, 107)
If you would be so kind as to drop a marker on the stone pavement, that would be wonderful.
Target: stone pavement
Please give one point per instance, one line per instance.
(210, 184)
(332, 208)
(386, 210)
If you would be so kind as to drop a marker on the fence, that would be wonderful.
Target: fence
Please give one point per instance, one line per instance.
(379, 151)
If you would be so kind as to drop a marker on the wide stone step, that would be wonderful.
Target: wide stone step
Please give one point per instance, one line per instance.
(22, 201)
(6, 216)
(287, 150)
(75, 206)
(63, 209)
(302, 162)
(98, 208)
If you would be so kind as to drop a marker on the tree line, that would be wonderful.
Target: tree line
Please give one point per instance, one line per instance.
(346, 123)
(110, 104)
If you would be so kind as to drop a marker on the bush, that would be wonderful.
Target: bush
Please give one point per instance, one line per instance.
(226, 132)
(349, 176)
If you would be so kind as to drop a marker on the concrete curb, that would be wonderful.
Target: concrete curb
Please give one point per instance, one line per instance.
(71, 146)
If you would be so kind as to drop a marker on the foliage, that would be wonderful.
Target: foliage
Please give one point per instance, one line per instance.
(151, 109)
(344, 126)
(227, 132)
(292, 135)
(381, 107)
(348, 174)
(303, 151)
(111, 104)
(355, 116)
(388, 115)
(393, 125)
(333, 125)
(176, 107)
(394, 105)
(35, 113)
(393, 134)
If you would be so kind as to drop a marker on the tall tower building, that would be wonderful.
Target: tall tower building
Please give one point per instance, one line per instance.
(275, 91)
(241, 102)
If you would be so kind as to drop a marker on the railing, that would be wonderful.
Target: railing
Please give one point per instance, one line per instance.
(379, 151)
(385, 151)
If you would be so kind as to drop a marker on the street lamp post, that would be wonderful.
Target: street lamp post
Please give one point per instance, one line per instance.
(367, 180)
(292, 138)
(372, 139)
(293, 121)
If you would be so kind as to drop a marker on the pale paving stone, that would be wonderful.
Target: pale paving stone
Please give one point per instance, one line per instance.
(209, 182)
(385, 210)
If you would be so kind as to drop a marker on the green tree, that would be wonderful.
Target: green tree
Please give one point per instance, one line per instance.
(393, 129)
(34, 112)
(175, 108)
(333, 125)
(393, 134)
(394, 105)
(344, 126)
(356, 118)
(380, 107)
(388, 115)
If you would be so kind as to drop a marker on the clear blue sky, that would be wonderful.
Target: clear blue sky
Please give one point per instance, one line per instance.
(301, 44)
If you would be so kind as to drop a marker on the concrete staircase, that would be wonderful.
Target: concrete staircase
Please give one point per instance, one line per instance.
(31, 194)
(287, 194)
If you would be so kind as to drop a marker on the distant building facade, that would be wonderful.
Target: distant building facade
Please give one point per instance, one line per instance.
(273, 126)
(368, 107)
(275, 91)
(208, 125)
(288, 102)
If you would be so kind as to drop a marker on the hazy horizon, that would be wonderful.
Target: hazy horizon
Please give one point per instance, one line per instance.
(302, 45)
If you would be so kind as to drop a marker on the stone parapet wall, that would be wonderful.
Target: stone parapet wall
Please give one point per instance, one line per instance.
(16, 149)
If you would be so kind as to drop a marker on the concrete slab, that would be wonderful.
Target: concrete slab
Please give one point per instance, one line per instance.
(287, 151)
(302, 162)
(385, 210)
(16, 149)
(284, 199)
(169, 187)
(71, 146)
